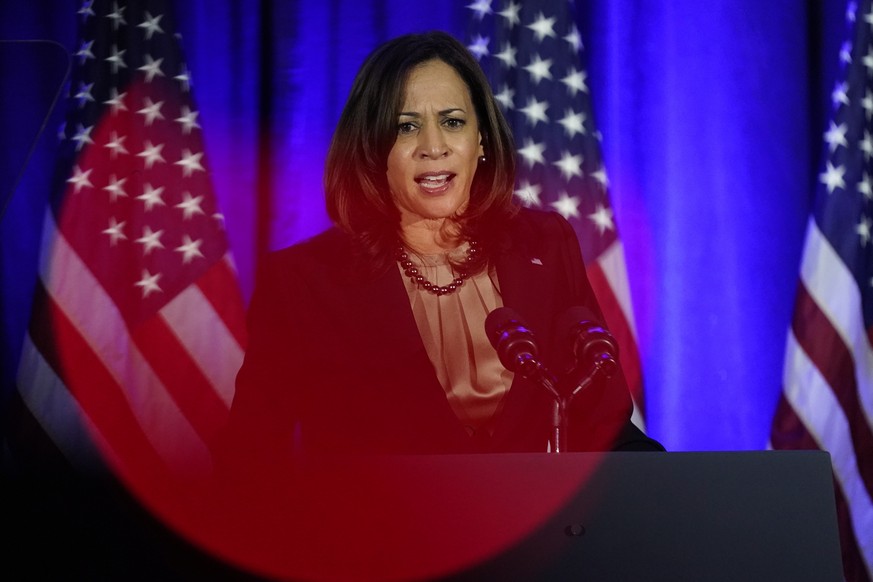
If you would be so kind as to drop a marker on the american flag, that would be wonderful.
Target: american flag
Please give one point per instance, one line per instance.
(827, 400)
(138, 325)
(532, 53)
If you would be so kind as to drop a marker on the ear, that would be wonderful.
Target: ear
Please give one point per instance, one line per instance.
(481, 147)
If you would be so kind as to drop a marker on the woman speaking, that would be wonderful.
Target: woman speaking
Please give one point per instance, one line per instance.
(370, 337)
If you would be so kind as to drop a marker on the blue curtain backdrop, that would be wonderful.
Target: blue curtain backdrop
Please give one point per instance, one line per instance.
(711, 112)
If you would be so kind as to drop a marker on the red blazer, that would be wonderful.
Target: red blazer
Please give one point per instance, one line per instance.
(335, 362)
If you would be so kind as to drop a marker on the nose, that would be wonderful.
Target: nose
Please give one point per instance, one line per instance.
(431, 142)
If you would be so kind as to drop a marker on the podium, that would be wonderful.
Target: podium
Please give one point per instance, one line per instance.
(708, 516)
(750, 516)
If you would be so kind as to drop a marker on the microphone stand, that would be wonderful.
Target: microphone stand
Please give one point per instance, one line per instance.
(560, 417)
(532, 369)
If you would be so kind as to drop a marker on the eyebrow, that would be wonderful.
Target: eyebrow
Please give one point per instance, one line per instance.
(443, 112)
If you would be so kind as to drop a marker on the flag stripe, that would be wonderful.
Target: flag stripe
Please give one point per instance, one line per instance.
(55, 409)
(219, 286)
(190, 390)
(836, 293)
(811, 398)
(828, 376)
(618, 325)
(789, 433)
(204, 335)
(92, 312)
(826, 350)
(609, 280)
(612, 263)
(100, 399)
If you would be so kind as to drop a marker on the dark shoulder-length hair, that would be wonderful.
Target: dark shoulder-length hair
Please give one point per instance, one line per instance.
(356, 185)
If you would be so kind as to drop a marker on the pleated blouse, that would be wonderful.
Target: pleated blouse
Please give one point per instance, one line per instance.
(452, 328)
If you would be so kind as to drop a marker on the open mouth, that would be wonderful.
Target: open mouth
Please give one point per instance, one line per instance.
(434, 181)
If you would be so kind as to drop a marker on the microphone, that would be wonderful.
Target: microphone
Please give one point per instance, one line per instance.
(515, 343)
(517, 347)
(592, 344)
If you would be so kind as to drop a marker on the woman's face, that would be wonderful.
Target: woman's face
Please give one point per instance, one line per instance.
(433, 160)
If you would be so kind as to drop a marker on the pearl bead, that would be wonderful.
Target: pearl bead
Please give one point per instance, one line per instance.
(411, 271)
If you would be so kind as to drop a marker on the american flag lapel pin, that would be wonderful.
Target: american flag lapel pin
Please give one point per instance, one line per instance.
(536, 261)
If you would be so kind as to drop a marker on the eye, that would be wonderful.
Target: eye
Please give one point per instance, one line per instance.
(454, 123)
(406, 128)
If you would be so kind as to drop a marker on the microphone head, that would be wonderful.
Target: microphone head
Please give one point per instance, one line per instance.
(512, 340)
(591, 342)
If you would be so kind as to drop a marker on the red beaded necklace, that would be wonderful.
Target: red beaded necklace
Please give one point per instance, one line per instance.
(411, 271)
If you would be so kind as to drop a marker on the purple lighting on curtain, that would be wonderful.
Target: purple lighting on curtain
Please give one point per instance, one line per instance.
(706, 142)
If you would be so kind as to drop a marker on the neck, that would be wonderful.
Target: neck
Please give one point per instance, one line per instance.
(431, 236)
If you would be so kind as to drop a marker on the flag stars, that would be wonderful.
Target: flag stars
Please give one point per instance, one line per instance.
(863, 230)
(115, 231)
(80, 179)
(190, 162)
(117, 16)
(846, 53)
(152, 197)
(543, 27)
(532, 153)
(507, 55)
(151, 111)
(575, 82)
(150, 240)
(184, 78)
(510, 13)
(835, 136)
(83, 95)
(535, 111)
(116, 144)
(602, 218)
(570, 165)
(539, 69)
(868, 60)
(87, 9)
(116, 59)
(505, 97)
(188, 119)
(82, 136)
(116, 101)
(573, 123)
(190, 249)
(574, 39)
(865, 187)
(190, 205)
(84, 53)
(116, 188)
(567, 205)
(840, 95)
(152, 68)
(601, 177)
(867, 104)
(149, 283)
(479, 47)
(481, 8)
(866, 145)
(151, 154)
(529, 193)
(151, 25)
(833, 177)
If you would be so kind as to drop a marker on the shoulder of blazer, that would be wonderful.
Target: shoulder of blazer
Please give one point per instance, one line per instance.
(327, 246)
(530, 230)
